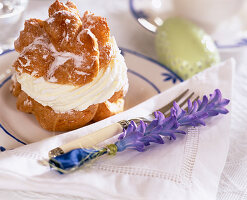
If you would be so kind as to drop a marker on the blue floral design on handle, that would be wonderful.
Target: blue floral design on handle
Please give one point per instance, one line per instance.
(2, 149)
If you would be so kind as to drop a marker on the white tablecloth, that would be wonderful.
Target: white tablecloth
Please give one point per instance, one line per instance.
(128, 33)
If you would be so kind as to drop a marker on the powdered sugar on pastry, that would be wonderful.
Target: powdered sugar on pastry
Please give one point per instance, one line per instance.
(61, 58)
(58, 46)
(63, 98)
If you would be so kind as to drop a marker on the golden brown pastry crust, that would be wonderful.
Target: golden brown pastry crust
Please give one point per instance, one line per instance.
(64, 33)
(53, 121)
(111, 107)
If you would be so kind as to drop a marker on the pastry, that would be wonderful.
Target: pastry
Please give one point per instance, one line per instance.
(69, 71)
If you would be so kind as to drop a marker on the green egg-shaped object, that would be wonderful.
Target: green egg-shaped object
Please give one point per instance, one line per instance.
(184, 47)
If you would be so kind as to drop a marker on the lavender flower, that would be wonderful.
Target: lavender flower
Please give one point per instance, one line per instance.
(137, 137)
(200, 110)
(132, 137)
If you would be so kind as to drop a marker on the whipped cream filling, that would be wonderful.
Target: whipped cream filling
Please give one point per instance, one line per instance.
(63, 98)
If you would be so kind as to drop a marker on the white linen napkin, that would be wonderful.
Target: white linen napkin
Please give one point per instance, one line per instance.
(187, 168)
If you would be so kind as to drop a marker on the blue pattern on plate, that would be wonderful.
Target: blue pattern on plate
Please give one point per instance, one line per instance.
(137, 14)
(242, 42)
(169, 77)
(145, 79)
(168, 71)
(139, 75)
(1, 126)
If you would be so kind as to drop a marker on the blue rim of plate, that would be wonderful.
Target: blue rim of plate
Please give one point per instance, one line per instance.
(242, 42)
(1, 126)
(172, 77)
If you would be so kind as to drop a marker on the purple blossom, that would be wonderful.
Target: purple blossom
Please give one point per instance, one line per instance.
(200, 110)
(132, 137)
(137, 137)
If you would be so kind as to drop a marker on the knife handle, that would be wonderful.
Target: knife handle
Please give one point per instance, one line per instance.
(90, 140)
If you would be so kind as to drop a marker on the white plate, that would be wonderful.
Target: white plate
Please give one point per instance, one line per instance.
(229, 34)
(146, 76)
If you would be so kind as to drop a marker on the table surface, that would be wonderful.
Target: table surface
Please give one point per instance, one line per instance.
(129, 34)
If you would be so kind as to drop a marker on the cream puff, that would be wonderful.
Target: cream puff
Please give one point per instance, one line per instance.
(70, 70)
